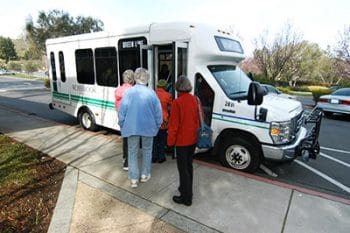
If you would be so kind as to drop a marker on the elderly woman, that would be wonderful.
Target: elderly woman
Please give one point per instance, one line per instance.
(182, 133)
(159, 141)
(128, 79)
(140, 116)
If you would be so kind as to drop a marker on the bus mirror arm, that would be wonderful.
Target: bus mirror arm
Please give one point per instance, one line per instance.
(261, 116)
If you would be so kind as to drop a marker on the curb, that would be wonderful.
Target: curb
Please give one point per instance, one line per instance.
(62, 215)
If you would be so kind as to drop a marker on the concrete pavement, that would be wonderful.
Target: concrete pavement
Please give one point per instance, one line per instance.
(224, 200)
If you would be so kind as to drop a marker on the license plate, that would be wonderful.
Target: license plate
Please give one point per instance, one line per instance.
(333, 101)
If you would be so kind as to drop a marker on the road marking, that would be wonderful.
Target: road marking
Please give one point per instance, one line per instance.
(336, 150)
(334, 159)
(324, 176)
(267, 170)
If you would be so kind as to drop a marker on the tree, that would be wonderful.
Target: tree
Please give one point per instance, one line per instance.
(342, 53)
(57, 23)
(7, 49)
(273, 58)
(305, 63)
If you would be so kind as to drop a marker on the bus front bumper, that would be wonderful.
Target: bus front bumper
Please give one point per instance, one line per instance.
(306, 143)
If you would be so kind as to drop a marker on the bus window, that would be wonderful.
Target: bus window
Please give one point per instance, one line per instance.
(181, 61)
(165, 59)
(206, 94)
(106, 66)
(129, 55)
(62, 67)
(53, 66)
(85, 66)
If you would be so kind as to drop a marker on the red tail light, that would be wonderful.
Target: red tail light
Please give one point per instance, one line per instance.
(347, 102)
(323, 100)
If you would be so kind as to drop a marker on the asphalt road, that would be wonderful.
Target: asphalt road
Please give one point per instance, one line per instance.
(329, 173)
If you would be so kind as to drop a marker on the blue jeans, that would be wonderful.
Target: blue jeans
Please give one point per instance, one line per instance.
(133, 149)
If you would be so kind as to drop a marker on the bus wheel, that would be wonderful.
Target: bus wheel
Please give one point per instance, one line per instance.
(87, 120)
(240, 154)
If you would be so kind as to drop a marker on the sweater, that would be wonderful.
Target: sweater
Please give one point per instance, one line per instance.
(184, 121)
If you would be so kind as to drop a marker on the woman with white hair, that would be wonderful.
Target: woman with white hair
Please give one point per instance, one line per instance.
(140, 116)
(182, 133)
(128, 82)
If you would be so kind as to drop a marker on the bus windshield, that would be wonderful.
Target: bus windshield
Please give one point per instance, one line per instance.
(233, 81)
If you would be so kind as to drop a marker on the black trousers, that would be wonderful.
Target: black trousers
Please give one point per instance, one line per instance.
(184, 157)
(125, 148)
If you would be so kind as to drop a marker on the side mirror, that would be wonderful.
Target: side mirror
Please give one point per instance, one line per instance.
(255, 94)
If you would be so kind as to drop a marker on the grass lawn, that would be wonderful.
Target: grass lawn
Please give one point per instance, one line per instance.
(29, 186)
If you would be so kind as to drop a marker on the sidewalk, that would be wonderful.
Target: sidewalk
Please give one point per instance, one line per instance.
(96, 195)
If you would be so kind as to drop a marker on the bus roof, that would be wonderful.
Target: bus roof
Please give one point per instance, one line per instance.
(205, 37)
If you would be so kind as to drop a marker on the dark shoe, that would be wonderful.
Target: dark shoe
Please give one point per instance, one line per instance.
(162, 160)
(180, 200)
(125, 165)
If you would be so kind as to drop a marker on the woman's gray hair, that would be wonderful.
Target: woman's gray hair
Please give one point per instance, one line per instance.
(128, 77)
(183, 84)
(141, 76)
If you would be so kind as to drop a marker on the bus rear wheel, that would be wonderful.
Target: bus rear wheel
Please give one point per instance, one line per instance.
(240, 154)
(87, 120)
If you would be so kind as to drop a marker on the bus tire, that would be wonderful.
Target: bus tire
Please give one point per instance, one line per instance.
(240, 154)
(87, 120)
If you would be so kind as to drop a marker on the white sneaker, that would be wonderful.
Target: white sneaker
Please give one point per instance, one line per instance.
(145, 178)
(133, 183)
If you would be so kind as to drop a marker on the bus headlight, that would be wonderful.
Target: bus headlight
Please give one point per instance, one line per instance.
(281, 132)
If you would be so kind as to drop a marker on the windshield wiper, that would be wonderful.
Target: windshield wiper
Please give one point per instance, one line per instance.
(238, 92)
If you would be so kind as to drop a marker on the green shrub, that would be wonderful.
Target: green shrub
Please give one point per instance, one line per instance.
(14, 65)
(286, 90)
(301, 88)
(261, 79)
(2, 64)
(47, 83)
(30, 67)
(318, 91)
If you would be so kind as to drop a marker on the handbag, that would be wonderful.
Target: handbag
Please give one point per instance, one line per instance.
(204, 132)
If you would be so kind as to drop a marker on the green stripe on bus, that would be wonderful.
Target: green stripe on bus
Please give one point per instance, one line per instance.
(241, 123)
(85, 100)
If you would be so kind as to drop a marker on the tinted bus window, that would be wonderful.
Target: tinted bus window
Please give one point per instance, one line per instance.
(228, 45)
(106, 66)
(53, 66)
(62, 67)
(129, 54)
(85, 66)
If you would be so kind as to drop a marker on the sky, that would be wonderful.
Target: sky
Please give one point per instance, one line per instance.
(317, 21)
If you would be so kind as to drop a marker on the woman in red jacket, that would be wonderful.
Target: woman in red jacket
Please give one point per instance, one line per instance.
(182, 133)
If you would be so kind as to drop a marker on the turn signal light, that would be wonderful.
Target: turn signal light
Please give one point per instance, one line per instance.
(275, 131)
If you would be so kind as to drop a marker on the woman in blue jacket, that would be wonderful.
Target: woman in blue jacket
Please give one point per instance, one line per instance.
(140, 116)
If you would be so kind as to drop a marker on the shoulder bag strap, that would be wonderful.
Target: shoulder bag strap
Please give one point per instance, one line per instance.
(200, 111)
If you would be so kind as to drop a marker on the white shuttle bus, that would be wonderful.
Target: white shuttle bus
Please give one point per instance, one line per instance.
(247, 126)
